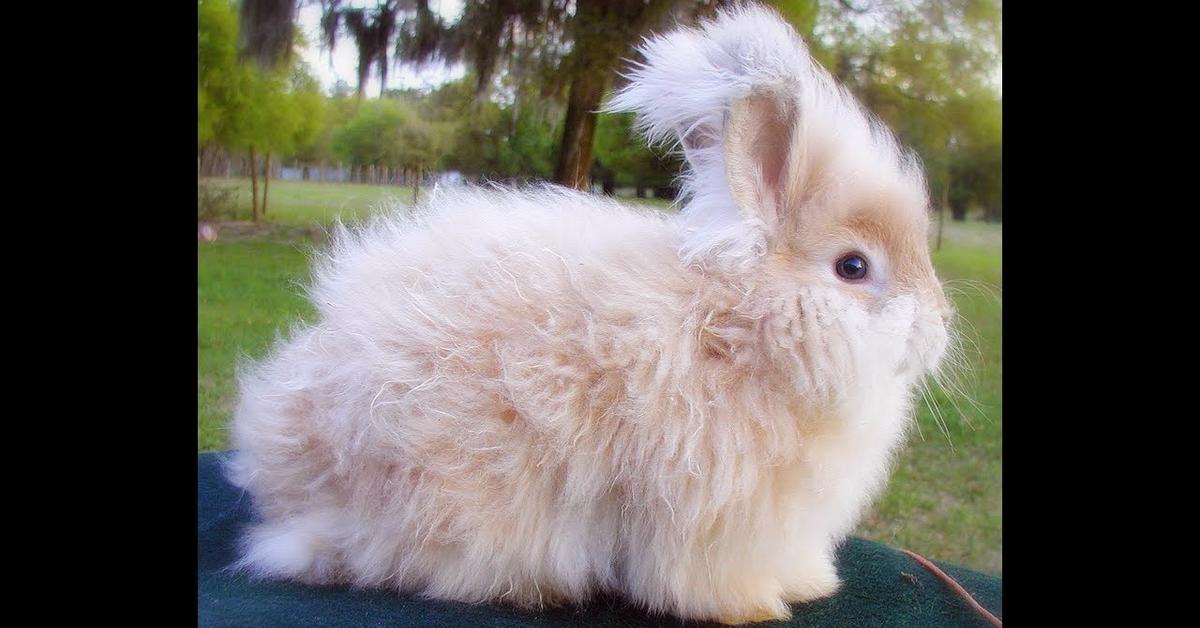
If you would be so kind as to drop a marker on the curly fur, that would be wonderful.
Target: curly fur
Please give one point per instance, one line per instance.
(529, 396)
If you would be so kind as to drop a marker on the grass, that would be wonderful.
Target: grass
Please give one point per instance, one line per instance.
(248, 292)
(944, 498)
(306, 202)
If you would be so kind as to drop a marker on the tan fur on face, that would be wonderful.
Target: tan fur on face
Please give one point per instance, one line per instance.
(526, 397)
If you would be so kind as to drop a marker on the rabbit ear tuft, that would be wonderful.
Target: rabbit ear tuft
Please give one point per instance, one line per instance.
(686, 92)
(763, 128)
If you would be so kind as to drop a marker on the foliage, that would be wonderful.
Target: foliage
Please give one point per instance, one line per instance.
(221, 80)
(621, 151)
(929, 68)
(241, 105)
(389, 132)
(486, 139)
(336, 111)
(372, 134)
(214, 203)
(569, 46)
(306, 107)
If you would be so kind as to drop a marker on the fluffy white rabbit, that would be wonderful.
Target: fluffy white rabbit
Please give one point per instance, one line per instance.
(529, 396)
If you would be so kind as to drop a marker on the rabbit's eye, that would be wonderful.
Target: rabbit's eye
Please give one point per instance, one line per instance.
(852, 267)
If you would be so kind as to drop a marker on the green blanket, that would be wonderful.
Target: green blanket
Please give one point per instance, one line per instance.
(882, 587)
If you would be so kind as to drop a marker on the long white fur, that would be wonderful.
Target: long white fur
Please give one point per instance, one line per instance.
(528, 396)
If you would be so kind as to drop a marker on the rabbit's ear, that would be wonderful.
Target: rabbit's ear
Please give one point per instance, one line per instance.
(758, 150)
(727, 93)
(764, 129)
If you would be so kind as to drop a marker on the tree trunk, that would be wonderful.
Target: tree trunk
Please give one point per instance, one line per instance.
(253, 183)
(266, 183)
(603, 31)
(206, 161)
(417, 184)
(579, 130)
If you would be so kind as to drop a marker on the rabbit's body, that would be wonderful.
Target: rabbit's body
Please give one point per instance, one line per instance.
(500, 400)
(531, 396)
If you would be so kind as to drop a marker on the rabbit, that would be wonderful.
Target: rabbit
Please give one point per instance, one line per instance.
(530, 396)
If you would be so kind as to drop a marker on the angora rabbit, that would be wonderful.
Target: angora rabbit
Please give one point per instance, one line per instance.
(527, 397)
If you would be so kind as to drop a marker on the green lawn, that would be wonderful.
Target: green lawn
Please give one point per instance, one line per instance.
(944, 499)
(306, 202)
(248, 293)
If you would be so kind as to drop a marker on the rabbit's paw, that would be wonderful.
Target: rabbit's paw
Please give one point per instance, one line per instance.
(765, 604)
(818, 581)
(777, 611)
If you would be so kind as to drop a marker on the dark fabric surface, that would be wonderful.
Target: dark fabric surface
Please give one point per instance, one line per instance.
(881, 587)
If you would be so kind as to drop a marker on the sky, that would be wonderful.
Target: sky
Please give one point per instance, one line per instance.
(343, 63)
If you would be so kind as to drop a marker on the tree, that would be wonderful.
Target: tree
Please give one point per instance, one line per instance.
(311, 134)
(268, 33)
(629, 160)
(247, 107)
(230, 94)
(926, 67)
(373, 33)
(294, 107)
(576, 51)
(603, 32)
(493, 140)
(418, 149)
(220, 79)
(390, 133)
(373, 134)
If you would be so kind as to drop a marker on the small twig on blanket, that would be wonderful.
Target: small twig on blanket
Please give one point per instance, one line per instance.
(953, 584)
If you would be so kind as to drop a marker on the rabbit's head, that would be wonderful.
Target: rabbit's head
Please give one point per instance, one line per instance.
(793, 188)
